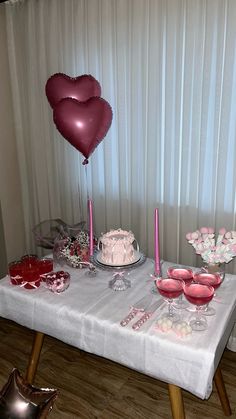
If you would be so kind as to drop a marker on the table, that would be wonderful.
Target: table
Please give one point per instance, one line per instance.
(87, 316)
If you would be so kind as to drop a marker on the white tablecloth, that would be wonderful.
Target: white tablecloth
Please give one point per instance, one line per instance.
(88, 313)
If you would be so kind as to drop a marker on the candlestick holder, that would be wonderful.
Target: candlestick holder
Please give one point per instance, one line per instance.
(119, 282)
(155, 276)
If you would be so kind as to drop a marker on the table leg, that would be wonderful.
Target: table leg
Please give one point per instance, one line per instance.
(34, 357)
(221, 390)
(176, 401)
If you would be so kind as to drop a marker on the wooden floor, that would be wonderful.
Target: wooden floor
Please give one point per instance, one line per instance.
(92, 387)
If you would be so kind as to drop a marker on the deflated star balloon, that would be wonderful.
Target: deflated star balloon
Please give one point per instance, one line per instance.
(20, 400)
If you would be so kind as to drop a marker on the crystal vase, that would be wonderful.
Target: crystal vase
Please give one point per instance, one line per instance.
(71, 247)
(213, 268)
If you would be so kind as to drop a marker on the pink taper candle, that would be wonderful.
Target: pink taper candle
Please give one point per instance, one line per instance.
(156, 243)
(90, 207)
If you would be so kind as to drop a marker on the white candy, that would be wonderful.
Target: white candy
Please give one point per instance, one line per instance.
(182, 329)
(164, 324)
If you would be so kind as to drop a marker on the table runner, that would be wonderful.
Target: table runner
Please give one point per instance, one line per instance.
(88, 313)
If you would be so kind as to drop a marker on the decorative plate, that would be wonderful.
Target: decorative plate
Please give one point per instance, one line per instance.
(139, 260)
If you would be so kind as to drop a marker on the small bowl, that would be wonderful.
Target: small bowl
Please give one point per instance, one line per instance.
(58, 281)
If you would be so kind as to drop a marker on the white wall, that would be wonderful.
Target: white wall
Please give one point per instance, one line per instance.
(10, 191)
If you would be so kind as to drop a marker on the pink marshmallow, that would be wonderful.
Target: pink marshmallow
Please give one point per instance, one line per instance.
(189, 236)
(233, 248)
(204, 230)
(211, 230)
(222, 231)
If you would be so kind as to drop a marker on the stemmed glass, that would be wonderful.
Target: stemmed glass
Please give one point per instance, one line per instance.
(199, 295)
(186, 274)
(169, 289)
(214, 280)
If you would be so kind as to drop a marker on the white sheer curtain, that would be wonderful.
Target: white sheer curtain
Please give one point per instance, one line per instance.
(168, 69)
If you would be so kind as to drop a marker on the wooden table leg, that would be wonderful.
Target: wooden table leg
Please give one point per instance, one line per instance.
(176, 402)
(34, 357)
(221, 390)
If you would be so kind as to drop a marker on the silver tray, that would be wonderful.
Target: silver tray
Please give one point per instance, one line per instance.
(96, 261)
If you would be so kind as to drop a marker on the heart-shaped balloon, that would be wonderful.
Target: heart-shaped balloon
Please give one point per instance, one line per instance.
(60, 86)
(83, 124)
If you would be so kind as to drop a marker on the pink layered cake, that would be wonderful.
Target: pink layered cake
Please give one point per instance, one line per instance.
(117, 247)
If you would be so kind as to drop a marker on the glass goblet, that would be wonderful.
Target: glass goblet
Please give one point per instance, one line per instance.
(169, 289)
(186, 274)
(214, 280)
(198, 295)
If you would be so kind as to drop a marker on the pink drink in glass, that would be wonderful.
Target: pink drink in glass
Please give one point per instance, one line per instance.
(169, 288)
(185, 274)
(208, 279)
(198, 294)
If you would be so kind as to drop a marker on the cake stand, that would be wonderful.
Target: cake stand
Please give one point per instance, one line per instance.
(118, 282)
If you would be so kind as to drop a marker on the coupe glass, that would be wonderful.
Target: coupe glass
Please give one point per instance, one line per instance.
(186, 275)
(170, 288)
(214, 280)
(198, 295)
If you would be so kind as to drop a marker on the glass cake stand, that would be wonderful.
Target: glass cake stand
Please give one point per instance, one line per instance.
(118, 282)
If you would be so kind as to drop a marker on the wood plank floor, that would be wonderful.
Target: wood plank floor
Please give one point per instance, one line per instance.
(95, 388)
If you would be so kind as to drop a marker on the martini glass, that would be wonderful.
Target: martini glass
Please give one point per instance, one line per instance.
(169, 289)
(199, 295)
(186, 274)
(214, 280)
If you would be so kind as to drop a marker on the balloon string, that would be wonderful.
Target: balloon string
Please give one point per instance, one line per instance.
(89, 216)
(87, 185)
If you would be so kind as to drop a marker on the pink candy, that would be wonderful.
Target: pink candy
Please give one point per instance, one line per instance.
(213, 250)
(211, 230)
(57, 281)
(204, 230)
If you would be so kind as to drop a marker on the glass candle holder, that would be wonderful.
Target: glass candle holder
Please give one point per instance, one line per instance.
(15, 271)
(45, 266)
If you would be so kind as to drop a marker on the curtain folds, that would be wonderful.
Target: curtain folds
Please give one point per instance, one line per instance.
(168, 70)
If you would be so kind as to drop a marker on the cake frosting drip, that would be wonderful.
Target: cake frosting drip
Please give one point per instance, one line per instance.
(117, 247)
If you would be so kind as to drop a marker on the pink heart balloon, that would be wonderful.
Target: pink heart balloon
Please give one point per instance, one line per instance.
(83, 124)
(60, 86)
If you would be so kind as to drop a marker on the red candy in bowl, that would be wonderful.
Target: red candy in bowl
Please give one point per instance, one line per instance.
(58, 281)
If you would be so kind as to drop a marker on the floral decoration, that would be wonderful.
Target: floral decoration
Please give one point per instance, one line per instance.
(212, 249)
(76, 249)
